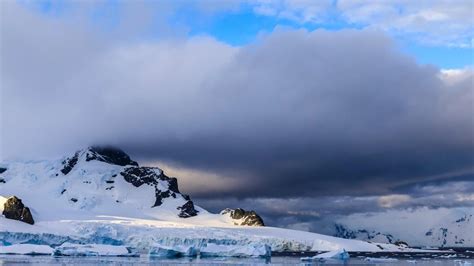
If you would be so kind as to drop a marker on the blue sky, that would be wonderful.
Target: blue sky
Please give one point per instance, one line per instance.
(433, 32)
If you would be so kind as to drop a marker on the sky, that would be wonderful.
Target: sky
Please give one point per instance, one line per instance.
(302, 110)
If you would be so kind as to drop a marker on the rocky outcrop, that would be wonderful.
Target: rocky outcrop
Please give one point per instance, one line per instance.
(16, 210)
(109, 155)
(165, 187)
(243, 217)
(69, 163)
(187, 210)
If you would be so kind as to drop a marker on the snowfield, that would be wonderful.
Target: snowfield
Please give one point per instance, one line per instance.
(144, 234)
(92, 204)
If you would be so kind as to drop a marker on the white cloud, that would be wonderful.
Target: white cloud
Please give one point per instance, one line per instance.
(453, 76)
(301, 11)
(438, 22)
(465, 197)
(390, 201)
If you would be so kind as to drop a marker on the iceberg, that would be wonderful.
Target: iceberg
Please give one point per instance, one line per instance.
(252, 250)
(340, 254)
(26, 249)
(172, 252)
(68, 249)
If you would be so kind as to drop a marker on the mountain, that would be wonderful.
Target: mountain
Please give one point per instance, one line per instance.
(421, 227)
(100, 196)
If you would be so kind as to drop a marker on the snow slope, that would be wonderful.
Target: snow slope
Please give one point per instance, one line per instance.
(102, 197)
(420, 227)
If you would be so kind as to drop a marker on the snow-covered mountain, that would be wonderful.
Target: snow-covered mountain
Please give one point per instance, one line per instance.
(101, 196)
(420, 227)
(95, 181)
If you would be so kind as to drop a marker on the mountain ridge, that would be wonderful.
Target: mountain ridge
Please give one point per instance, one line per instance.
(430, 227)
(100, 177)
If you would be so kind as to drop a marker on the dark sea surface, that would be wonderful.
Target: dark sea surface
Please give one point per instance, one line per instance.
(276, 260)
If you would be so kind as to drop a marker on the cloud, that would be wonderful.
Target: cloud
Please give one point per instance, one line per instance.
(453, 76)
(300, 11)
(431, 22)
(319, 213)
(465, 197)
(440, 22)
(295, 114)
(389, 201)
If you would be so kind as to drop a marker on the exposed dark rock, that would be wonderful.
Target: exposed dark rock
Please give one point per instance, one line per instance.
(109, 181)
(139, 176)
(2, 170)
(173, 184)
(401, 243)
(73, 199)
(250, 218)
(2, 180)
(16, 210)
(187, 210)
(69, 163)
(110, 155)
(64, 190)
(160, 195)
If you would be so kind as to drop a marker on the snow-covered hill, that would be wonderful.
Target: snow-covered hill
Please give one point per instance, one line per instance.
(101, 196)
(420, 227)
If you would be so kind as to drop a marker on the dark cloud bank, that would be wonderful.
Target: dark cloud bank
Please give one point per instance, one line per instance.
(296, 114)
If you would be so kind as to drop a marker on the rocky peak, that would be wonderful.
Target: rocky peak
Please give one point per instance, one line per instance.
(106, 154)
(109, 154)
(243, 217)
(16, 210)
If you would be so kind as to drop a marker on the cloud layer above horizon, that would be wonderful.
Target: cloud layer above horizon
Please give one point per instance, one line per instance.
(295, 114)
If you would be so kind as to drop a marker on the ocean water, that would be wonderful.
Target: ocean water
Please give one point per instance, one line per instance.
(283, 260)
